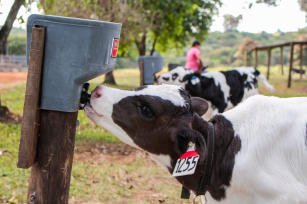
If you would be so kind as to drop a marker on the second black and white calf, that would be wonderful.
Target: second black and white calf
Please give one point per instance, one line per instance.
(260, 149)
(222, 89)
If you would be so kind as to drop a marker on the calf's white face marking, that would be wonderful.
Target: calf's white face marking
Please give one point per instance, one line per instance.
(174, 77)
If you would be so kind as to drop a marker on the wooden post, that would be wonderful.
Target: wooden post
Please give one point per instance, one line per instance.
(50, 175)
(282, 60)
(141, 65)
(51, 155)
(245, 59)
(30, 121)
(269, 63)
(301, 61)
(290, 64)
(256, 58)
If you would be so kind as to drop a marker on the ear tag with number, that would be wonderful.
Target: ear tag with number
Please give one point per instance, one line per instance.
(195, 80)
(186, 164)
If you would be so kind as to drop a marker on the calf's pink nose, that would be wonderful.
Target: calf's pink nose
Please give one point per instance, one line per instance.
(97, 92)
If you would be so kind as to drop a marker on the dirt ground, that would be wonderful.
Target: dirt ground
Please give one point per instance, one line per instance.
(118, 153)
(7, 78)
(10, 79)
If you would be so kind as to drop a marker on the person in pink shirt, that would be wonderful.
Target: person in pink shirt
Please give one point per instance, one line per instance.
(193, 61)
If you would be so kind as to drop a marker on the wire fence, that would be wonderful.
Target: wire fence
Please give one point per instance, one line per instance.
(13, 63)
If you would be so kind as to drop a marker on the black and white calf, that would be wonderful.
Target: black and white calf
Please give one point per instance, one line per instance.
(260, 150)
(222, 89)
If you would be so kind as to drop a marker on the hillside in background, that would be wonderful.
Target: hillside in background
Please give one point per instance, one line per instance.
(217, 50)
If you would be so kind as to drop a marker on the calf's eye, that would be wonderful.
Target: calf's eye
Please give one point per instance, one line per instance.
(147, 112)
(174, 76)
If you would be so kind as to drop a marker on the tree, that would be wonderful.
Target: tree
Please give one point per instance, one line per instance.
(231, 22)
(303, 6)
(165, 24)
(6, 28)
(302, 3)
(162, 24)
(268, 2)
(244, 49)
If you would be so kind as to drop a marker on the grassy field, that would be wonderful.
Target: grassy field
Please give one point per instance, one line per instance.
(104, 170)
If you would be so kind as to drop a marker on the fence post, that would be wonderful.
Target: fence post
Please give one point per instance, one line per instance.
(301, 61)
(268, 62)
(256, 58)
(50, 175)
(30, 121)
(282, 60)
(290, 64)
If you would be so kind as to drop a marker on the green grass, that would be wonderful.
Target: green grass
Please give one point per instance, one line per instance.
(97, 177)
(298, 88)
(13, 181)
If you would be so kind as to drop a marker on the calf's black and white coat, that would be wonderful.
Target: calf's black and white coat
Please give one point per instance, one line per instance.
(222, 89)
(260, 149)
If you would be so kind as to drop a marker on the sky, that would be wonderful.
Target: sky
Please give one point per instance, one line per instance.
(286, 17)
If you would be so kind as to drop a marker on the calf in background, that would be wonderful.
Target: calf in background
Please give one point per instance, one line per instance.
(222, 89)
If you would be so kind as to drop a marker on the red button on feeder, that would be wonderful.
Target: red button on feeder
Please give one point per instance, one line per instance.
(115, 47)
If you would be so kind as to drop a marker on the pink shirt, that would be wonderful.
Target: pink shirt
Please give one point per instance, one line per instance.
(192, 62)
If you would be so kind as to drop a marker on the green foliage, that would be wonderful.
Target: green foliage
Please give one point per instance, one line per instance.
(16, 31)
(162, 24)
(217, 50)
(173, 23)
(17, 44)
(222, 55)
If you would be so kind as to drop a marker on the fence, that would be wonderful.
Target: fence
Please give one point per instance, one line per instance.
(269, 49)
(13, 63)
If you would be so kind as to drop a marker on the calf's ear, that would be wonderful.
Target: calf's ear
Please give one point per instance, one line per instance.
(190, 76)
(199, 105)
(187, 135)
(186, 77)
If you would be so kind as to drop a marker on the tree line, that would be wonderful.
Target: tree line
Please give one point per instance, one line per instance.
(219, 49)
(156, 26)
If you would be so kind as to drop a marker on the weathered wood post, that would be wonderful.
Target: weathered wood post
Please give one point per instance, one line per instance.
(50, 175)
(282, 59)
(301, 61)
(30, 121)
(290, 64)
(149, 66)
(269, 51)
(256, 58)
(68, 63)
(245, 58)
